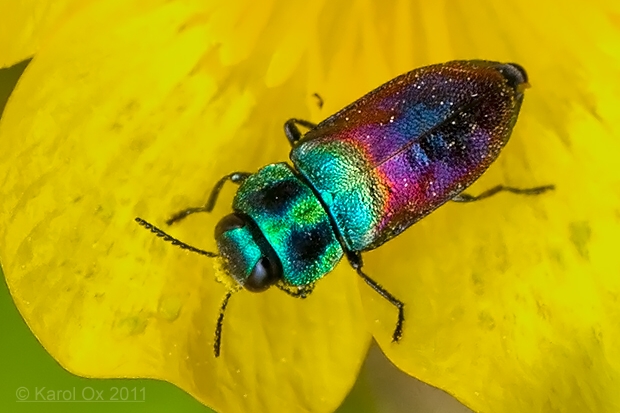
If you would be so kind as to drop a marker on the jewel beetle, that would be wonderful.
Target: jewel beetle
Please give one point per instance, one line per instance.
(362, 176)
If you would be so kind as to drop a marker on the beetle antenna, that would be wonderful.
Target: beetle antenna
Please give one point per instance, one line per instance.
(173, 240)
(220, 322)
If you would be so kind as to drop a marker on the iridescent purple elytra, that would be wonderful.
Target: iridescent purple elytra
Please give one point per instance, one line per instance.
(363, 176)
(390, 158)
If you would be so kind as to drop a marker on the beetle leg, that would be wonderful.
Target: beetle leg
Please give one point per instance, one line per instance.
(235, 177)
(291, 129)
(499, 188)
(355, 259)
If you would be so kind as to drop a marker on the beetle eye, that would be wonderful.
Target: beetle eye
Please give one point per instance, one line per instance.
(228, 223)
(265, 273)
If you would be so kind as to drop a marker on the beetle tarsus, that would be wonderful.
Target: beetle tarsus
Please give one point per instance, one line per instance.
(235, 177)
(355, 259)
(501, 188)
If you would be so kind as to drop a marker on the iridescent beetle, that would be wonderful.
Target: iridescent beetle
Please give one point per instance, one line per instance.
(363, 176)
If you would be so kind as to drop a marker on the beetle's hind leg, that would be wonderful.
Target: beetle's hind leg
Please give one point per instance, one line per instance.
(235, 177)
(355, 259)
(501, 188)
(291, 129)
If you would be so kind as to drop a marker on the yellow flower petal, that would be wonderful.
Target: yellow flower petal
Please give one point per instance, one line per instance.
(26, 23)
(128, 111)
(511, 302)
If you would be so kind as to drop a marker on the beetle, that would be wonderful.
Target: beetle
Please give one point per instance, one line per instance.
(363, 176)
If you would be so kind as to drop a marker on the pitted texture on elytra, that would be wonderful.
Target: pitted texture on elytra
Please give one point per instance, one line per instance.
(292, 220)
(401, 151)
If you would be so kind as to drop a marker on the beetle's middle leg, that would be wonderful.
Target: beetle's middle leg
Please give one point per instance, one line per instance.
(291, 129)
(355, 259)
